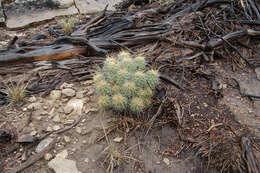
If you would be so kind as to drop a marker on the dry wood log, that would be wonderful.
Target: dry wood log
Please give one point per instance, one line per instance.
(249, 156)
(39, 53)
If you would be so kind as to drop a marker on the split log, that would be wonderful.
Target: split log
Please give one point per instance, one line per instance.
(39, 53)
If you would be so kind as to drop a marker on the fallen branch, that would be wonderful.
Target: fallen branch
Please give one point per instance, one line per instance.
(32, 159)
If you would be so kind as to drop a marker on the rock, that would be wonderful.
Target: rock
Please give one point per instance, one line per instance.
(67, 139)
(56, 118)
(75, 105)
(68, 122)
(79, 130)
(39, 37)
(68, 92)
(33, 133)
(2, 17)
(66, 85)
(64, 3)
(118, 139)
(26, 139)
(56, 127)
(33, 11)
(63, 154)
(32, 99)
(61, 165)
(257, 71)
(43, 144)
(49, 129)
(55, 94)
(48, 156)
(86, 160)
(34, 106)
(94, 6)
(80, 94)
(166, 161)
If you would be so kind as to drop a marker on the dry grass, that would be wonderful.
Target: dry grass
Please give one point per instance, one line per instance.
(113, 156)
(68, 24)
(16, 91)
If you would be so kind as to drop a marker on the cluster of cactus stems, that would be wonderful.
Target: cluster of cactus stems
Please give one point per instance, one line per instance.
(123, 84)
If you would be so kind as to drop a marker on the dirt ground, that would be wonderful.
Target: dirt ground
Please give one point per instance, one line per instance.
(210, 111)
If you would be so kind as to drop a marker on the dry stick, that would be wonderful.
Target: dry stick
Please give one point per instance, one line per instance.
(254, 8)
(33, 159)
(62, 130)
(159, 111)
(249, 156)
(168, 79)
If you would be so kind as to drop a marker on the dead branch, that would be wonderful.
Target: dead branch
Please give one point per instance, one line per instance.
(32, 159)
(249, 156)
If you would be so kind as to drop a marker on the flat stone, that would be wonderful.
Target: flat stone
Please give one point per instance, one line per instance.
(79, 130)
(2, 17)
(166, 161)
(257, 71)
(56, 127)
(64, 3)
(66, 85)
(43, 144)
(31, 11)
(55, 94)
(61, 165)
(48, 156)
(80, 94)
(69, 122)
(75, 105)
(94, 6)
(68, 92)
(63, 154)
(32, 99)
(67, 139)
(34, 106)
(56, 118)
(118, 139)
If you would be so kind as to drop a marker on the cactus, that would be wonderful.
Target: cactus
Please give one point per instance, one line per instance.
(152, 78)
(104, 101)
(137, 105)
(119, 102)
(124, 85)
(139, 79)
(128, 89)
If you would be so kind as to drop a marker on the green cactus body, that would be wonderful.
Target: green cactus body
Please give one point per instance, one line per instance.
(128, 64)
(115, 89)
(139, 79)
(152, 78)
(104, 101)
(122, 76)
(139, 63)
(123, 85)
(98, 77)
(103, 88)
(119, 102)
(137, 105)
(121, 56)
(128, 89)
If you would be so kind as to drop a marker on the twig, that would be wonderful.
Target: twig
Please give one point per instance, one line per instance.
(213, 126)
(159, 111)
(33, 159)
(168, 79)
